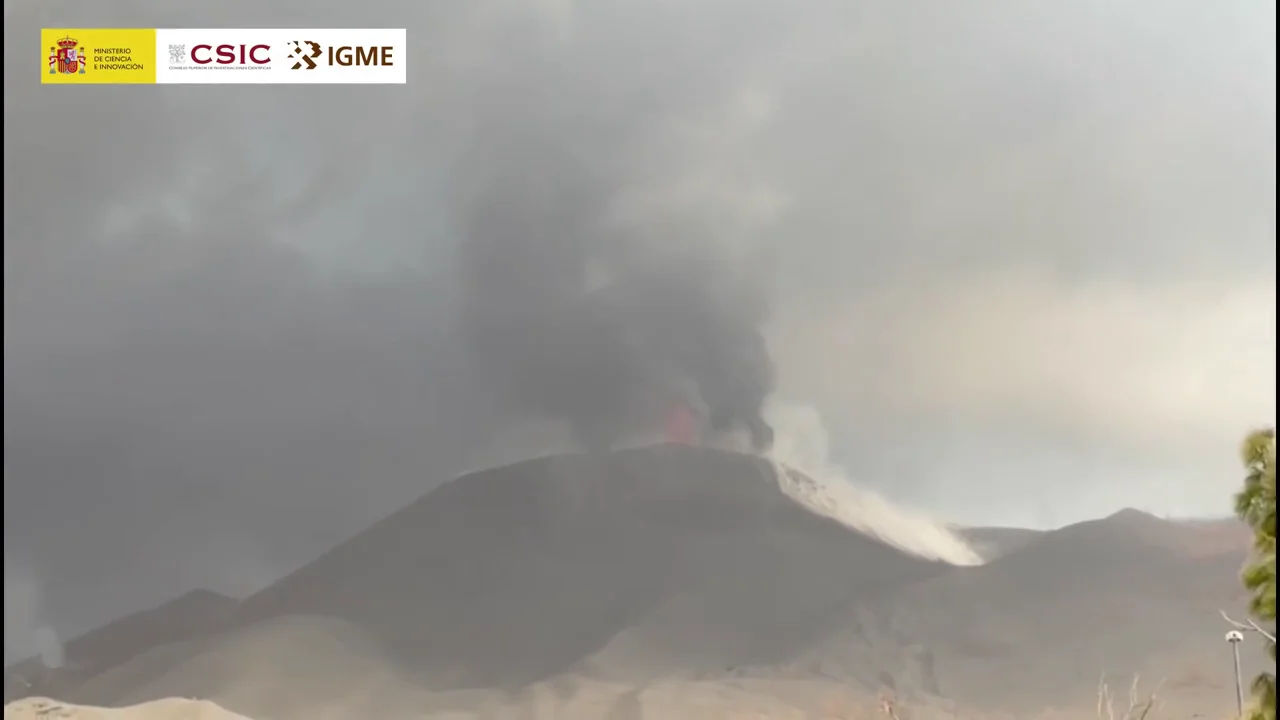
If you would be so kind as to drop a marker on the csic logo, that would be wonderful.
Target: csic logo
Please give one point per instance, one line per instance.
(66, 59)
(304, 58)
(226, 54)
(305, 54)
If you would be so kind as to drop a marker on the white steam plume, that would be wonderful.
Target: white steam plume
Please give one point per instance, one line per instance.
(26, 628)
(800, 443)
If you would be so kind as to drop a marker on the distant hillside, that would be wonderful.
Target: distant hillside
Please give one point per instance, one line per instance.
(994, 542)
(1127, 594)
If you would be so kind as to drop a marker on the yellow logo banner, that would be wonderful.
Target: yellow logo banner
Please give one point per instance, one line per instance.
(89, 56)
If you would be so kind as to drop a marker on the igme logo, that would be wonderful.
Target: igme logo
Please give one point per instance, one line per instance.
(367, 56)
(304, 54)
(304, 58)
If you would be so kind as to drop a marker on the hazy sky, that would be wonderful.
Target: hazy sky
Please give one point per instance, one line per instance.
(1021, 258)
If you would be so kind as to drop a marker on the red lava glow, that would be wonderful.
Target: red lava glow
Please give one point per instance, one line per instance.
(680, 426)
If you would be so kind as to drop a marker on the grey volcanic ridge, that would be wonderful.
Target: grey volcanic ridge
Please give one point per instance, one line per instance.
(674, 568)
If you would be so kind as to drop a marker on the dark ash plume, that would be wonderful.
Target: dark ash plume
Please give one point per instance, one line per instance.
(570, 314)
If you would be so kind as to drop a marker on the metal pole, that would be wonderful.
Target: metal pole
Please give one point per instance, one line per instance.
(1235, 657)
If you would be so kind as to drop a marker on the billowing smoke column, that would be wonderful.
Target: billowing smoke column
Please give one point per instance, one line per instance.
(568, 313)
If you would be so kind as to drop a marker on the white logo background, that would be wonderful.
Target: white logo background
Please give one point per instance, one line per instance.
(283, 44)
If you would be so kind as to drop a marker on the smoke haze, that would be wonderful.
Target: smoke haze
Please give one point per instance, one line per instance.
(1021, 259)
(571, 311)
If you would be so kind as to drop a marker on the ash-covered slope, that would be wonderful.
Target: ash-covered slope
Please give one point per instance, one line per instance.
(512, 575)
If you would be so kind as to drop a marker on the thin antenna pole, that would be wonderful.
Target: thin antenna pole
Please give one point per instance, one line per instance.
(1235, 657)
